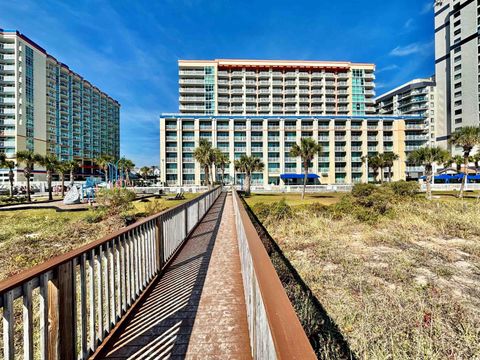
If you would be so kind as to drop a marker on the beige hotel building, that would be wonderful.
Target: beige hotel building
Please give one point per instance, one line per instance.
(262, 108)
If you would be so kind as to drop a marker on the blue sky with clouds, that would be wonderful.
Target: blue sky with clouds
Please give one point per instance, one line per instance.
(130, 48)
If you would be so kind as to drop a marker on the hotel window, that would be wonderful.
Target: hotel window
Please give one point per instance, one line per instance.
(457, 49)
(457, 32)
(458, 76)
(458, 58)
(457, 67)
(458, 85)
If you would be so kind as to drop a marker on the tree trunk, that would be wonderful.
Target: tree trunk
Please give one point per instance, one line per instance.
(49, 184)
(381, 175)
(106, 175)
(305, 175)
(72, 179)
(11, 177)
(27, 175)
(223, 176)
(247, 183)
(389, 173)
(428, 179)
(464, 180)
(63, 185)
(207, 176)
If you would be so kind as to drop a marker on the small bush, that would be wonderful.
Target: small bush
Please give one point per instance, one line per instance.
(367, 202)
(95, 215)
(115, 200)
(273, 212)
(404, 188)
(12, 200)
(155, 206)
(363, 190)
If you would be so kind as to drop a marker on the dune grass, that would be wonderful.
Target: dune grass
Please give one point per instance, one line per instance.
(404, 287)
(30, 237)
(294, 199)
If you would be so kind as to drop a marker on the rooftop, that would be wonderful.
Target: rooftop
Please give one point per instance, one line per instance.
(277, 63)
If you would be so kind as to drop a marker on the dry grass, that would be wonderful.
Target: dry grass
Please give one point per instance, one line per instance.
(30, 237)
(407, 287)
(293, 199)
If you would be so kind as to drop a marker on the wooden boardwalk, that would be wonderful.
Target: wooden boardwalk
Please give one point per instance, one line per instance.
(196, 310)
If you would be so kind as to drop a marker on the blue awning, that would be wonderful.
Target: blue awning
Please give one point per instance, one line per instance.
(453, 177)
(298, 176)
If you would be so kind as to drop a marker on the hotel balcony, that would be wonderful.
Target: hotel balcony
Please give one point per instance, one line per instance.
(188, 160)
(196, 90)
(192, 72)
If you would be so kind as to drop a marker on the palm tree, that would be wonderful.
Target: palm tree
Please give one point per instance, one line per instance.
(426, 157)
(103, 162)
(71, 166)
(247, 165)
(389, 158)
(29, 159)
(128, 165)
(221, 162)
(374, 162)
(205, 155)
(62, 169)
(476, 160)
(307, 150)
(466, 137)
(458, 161)
(50, 163)
(10, 165)
(145, 171)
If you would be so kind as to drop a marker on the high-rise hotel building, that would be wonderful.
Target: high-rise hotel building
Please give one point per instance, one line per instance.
(262, 108)
(416, 97)
(457, 66)
(49, 109)
(258, 87)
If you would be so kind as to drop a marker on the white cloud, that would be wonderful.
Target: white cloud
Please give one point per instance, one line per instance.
(408, 24)
(410, 49)
(386, 68)
(427, 8)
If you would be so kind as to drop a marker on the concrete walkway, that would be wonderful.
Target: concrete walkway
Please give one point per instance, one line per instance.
(197, 309)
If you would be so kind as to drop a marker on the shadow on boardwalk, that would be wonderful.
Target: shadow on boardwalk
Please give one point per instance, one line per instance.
(323, 333)
(161, 325)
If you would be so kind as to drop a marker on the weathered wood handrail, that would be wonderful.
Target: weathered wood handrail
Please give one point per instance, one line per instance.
(79, 297)
(274, 329)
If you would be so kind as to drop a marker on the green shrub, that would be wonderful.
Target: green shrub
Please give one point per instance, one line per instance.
(273, 212)
(95, 215)
(12, 200)
(115, 200)
(363, 190)
(367, 202)
(404, 188)
(155, 206)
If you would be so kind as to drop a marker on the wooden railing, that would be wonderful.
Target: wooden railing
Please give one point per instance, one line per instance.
(65, 307)
(274, 329)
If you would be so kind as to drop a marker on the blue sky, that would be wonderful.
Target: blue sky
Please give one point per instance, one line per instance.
(130, 48)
